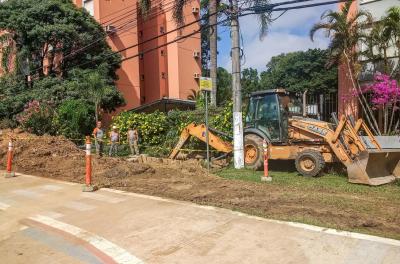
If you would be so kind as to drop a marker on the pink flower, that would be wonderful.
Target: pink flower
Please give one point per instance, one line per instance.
(383, 90)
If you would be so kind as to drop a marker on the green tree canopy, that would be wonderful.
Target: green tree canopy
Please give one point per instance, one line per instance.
(43, 30)
(224, 86)
(301, 70)
(250, 81)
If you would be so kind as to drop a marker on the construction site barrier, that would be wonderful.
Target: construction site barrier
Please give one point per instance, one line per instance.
(88, 187)
(266, 149)
(9, 173)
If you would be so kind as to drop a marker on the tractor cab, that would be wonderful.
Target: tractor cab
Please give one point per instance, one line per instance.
(268, 114)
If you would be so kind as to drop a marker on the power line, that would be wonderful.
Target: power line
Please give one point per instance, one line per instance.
(161, 35)
(122, 27)
(103, 37)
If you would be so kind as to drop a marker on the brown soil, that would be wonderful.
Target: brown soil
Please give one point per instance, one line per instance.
(56, 157)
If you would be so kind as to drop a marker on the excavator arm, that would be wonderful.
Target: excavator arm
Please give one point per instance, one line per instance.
(199, 131)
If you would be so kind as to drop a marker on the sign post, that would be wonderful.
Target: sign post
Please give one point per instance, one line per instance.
(206, 87)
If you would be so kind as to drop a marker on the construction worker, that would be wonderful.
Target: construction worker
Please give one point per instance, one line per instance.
(114, 138)
(98, 134)
(133, 138)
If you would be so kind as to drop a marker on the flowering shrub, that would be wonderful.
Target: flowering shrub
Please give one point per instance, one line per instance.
(384, 91)
(385, 94)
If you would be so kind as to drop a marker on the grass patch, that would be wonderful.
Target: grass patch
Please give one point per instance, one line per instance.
(329, 182)
(327, 201)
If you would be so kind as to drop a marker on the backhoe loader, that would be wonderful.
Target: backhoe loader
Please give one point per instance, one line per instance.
(309, 142)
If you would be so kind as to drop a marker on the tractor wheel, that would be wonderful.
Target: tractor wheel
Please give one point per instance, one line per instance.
(310, 163)
(253, 152)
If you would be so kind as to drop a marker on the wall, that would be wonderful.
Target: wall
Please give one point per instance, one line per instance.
(163, 72)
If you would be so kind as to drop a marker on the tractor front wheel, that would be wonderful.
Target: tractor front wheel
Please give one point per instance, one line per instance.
(253, 152)
(310, 163)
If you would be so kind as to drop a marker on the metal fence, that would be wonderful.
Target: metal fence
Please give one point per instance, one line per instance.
(318, 106)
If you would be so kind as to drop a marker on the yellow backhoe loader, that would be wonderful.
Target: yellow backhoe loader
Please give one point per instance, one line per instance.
(309, 142)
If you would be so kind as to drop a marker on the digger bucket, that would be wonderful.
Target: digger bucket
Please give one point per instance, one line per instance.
(375, 167)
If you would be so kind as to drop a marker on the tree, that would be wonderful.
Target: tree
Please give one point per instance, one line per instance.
(346, 31)
(98, 89)
(391, 28)
(45, 31)
(224, 86)
(392, 25)
(250, 81)
(213, 19)
(300, 71)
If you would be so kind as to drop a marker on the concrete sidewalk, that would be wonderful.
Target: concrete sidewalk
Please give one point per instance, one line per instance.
(45, 221)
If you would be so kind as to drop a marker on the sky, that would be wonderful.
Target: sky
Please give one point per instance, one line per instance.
(288, 33)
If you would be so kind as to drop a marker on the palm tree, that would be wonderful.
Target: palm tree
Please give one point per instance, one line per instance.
(194, 95)
(346, 30)
(377, 45)
(97, 89)
(213, 19)
(392, 25)
(391, 28)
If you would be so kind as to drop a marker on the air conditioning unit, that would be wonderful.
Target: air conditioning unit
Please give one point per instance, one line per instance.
(196, 54)
(195, 10)
(196, 75)
(110, 29)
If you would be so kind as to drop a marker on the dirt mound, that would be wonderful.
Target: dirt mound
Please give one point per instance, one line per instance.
(58, 158)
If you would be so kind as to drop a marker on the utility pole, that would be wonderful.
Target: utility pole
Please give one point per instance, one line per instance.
(238, 154)
(213, 19)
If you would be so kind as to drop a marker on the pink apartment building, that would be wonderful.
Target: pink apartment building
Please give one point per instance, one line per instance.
(170, 71)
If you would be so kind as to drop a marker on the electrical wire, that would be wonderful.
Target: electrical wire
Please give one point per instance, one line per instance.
(254, 9)
(158, 36)
(104, 37)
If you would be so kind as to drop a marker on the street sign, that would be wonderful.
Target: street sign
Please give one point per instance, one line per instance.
(205, 84)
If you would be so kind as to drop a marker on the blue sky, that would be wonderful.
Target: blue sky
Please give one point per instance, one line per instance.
(289, 33)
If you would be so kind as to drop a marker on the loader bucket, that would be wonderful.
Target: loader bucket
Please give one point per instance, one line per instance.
(375, 167)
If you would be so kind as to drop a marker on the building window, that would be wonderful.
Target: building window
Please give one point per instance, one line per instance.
(162, 52)
(89, 6)
(142, 77)
(162, 30)
(163, 75)
(141, 56)
(140, 33)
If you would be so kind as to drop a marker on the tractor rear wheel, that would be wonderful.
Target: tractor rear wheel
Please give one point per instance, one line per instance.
(310, 163)
(253, 152)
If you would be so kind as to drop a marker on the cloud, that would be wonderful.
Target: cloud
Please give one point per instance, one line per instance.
(287, 34)
(259, 53)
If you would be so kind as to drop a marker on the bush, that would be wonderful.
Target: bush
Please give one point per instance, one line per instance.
(159, 132)
(37, 118)
(151, 126)
(74, 119)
